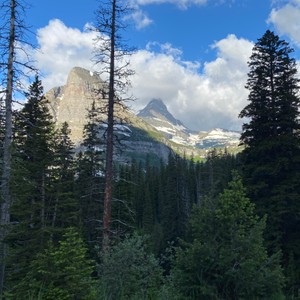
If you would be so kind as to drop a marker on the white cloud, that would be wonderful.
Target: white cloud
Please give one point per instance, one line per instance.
(286, 20)
(140, 19)
(204, 100)
(62, 48)
(212, 97)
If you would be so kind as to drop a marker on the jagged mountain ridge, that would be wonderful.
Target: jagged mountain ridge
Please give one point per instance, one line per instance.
(154, 130)
(157, 114)
(156, 109)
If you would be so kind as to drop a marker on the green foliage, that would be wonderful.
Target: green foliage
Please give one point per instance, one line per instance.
(122, 206)
(32, 157)
(271, 159)
(64, 205)
(226, 258)
(59, 272)
(128, 271)
(90, 181)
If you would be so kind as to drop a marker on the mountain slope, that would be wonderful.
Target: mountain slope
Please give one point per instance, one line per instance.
(157, 115)
(70, 103)
(153, 132)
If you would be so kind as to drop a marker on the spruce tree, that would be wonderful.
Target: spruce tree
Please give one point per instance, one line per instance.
(90, 180)
(32, 161)
(225, 257)
(175, 201)
(60, 271)
(123, 215)
(271, 158)
(129, 271)
(64, 210)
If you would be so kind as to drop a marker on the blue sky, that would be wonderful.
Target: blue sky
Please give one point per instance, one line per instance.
(191, 53)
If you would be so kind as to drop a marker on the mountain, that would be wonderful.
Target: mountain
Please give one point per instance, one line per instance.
(157, 115)
(70, 103)
(154, 132)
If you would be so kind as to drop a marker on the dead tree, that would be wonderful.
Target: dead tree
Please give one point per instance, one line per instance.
(12, 37)
(111, 55)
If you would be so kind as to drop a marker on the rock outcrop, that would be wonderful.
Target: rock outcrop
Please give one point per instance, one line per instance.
(70, 103)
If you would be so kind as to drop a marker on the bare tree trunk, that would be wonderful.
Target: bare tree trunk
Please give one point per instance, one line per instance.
(6, 172)
(110, 138)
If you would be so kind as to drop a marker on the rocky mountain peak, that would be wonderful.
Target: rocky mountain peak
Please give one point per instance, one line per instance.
(80, 76)
(156, 108)
(156, 105)
(70, 102)
(157, 115)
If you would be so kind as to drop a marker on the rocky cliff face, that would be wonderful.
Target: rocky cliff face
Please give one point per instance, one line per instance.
(153, 131)
(157, 114)
(69, 103)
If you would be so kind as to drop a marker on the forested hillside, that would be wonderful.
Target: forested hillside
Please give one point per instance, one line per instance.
(77, 224)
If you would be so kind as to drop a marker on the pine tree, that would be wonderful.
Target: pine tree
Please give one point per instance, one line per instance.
(64, 209)
(60, 271)
(138, 178)
(226, 257)
(175, 202)
(123, 215)
(272, 145)
(129, 271)
(33, 143)
(89, 181)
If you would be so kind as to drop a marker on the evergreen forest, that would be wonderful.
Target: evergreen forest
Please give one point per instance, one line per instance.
(227, 227)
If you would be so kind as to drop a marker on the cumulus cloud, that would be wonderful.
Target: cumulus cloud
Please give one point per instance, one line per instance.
(60, 49)
(286, 19)
(202, 97)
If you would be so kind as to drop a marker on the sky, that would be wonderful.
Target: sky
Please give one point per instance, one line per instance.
(192, 54)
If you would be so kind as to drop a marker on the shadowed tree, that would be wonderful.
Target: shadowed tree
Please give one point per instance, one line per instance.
(31, 180)
(89, 182)
(271, 158)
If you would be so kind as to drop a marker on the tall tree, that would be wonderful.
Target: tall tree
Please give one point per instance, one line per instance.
(64, 208)
(271, 137)
(12, 32)
(226, 257)
(33, 159)
(176, 205)
(89, 182)
(111, 53)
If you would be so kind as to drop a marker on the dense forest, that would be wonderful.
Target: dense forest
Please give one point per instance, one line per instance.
(227, 227)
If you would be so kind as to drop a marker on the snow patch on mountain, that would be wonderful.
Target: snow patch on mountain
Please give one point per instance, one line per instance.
(157, 115)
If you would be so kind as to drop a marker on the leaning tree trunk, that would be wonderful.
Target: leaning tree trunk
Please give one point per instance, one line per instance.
(6, 171)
